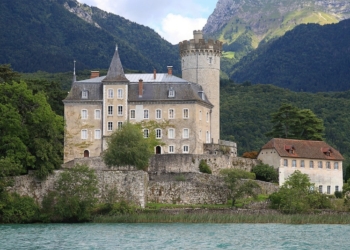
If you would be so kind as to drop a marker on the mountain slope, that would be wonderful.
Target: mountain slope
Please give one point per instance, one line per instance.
(49, 35)
(309, 58)
(243, 24)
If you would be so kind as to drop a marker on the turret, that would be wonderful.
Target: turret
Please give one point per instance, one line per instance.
(200, 63)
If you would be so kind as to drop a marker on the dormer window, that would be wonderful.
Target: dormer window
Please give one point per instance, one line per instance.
(290, 149)
(201, 95)
(327, 151)
(171, 92)
(84, 94)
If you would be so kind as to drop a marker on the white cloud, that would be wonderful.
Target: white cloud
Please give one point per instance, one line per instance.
(176, 28)
(173, 20)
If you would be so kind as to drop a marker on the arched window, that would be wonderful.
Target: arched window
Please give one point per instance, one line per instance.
(158, 150)
(86, 153)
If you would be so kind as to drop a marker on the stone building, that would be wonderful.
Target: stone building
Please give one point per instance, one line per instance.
(322, 163)
(96, 107)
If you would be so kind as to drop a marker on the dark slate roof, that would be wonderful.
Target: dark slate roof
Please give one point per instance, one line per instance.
(94, 91)
(303, 149)
(159, 92)
(115, 72)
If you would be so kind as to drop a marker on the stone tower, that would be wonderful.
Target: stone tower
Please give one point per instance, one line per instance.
(200, 63)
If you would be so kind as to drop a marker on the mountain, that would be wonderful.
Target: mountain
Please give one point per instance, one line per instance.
(50, 34)
(244, 24)
(311, 58)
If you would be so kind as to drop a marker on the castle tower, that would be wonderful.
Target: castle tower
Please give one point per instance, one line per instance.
(200, 63)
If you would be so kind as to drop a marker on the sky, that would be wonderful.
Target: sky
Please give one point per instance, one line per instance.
(172, 20)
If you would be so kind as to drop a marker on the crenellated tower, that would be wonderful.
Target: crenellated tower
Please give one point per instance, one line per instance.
(200, 63)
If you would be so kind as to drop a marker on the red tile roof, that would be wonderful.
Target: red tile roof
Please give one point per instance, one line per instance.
(303, 149)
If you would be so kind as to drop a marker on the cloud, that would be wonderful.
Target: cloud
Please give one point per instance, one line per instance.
(173, 20)
(176, 28)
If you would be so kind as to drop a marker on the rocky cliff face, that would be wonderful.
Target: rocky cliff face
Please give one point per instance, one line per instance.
(263, 15)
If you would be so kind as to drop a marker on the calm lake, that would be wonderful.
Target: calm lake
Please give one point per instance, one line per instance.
(174, 236)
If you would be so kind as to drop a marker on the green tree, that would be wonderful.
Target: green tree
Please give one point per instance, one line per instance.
(127, 146)
(294, 123)
(7, 74)
(265, 172)
(31, 134)
(74, 196)
(298, 194)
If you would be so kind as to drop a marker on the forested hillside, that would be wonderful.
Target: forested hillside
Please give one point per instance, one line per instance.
(309, 58)
(46, 36)
(246, 114)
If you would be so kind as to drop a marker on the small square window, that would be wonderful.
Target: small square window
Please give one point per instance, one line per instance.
(97, 114)
(145, 133)
(185, 114)
(145, 114)
(84, 134)
(185, 149)
(97, 134)
(132, 114)
(109, 126)
(171, 92)
(171, 149)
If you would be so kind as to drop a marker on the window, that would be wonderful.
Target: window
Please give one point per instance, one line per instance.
(120, 125)
(110, 94)
(320, 164)
(294, 163)
(320, 189)
(311, 164)
(186, 133)
(132, 114)
(109, 126)
(302, 164)
(171, 133)
(171, 114)
(84, 94)
(97, 134)
(336, 166)
(120, 94)
(145, 114)
(207, 116)
(158, 114)
(84, 114)
(185, 149)
(328, 165)
(285, 162)
(84, 134)
(200, 115)
(145, 133)
(328, 189)
(185, 114)
(207, 137)
(171, 149)
(171, 92)
(97, 114)
(120, 110)
(110, 110)
(336, 188)
(158, 133)
(210, 60)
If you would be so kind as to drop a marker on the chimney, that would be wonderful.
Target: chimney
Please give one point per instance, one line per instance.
(94, 74)
(170, 70)
(154, 74)
(140, 87)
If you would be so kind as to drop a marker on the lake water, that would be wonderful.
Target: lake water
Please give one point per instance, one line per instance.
(174, 236)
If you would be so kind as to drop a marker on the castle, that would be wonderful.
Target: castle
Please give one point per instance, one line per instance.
(96, 107)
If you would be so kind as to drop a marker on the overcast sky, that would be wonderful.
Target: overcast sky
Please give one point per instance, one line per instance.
(173, 20)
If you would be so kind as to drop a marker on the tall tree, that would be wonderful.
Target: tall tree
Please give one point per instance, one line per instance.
(7, 74)
(294, 123)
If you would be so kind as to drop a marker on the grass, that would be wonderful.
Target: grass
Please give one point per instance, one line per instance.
(160, 217)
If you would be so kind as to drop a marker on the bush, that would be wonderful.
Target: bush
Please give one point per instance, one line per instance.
(264, 172)
(338, 194)
(237, 173)
(204, 167)
(251, 155)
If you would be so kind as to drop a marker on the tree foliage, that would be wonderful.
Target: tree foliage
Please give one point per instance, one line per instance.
(127, 146)
(204, 167)
(30, 132)
(265, 172)
(297, 195)
(74, 196)
(294, 123)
